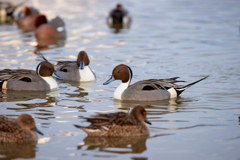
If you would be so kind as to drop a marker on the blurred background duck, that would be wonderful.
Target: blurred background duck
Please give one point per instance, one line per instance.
(25, 18)
(119, 18)
(6, 11)
(49, 32)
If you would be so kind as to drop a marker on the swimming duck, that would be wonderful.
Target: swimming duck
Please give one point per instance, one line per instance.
(21, 129)
(26, 17)
(76, 70)
(145, 90)
(29, 80)
(119, 17)
(48, 33)
(118, 124)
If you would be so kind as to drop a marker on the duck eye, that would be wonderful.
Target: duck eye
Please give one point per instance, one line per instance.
(118, 71)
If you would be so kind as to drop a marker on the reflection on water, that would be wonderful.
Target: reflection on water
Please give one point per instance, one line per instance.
(135, 144)
(11, 96)
(18, 150)
(48, 43)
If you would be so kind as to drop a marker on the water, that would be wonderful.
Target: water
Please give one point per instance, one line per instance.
(189, 39)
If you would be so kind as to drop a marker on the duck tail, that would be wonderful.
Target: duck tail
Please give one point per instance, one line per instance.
(183, 88)
(41, 55)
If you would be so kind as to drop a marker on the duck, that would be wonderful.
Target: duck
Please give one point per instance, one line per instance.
(119, 17)
(76, 70)
(22, 129)
(118, 124)
(6, 11)
(30, 80)
(145, 90)
(26, 17)
(48, 33)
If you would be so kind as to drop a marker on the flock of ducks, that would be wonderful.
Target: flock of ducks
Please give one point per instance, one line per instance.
(43, 79)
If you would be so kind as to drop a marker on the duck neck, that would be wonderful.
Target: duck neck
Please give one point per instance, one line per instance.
(120, 89)
(124, 85)
(86, 74)
(50, 81)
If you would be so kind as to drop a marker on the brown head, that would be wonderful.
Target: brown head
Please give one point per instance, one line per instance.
(122, 72)
(119, 6)
(26, 122)
(27, 11)
(82, 59)
(140, 114)
(40, 19)
(46, 69)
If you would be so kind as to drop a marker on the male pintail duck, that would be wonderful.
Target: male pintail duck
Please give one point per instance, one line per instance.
(26, 17)
(145, 90)
(119, 16)
(29, 80)
(18, 130)
(76, 70)
(118, 124)
(53, 29)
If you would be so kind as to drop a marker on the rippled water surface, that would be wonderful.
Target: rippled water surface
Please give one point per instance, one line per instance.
(186, 38)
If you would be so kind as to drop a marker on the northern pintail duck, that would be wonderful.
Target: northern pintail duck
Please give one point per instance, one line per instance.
(22, 79)
(52, 29)
(76, 70)
(49, 33)
(119, 16)
(26, 17)
(21, 129)
(145, 90)
(118, 124)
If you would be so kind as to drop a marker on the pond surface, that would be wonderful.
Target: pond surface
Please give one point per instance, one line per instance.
(184, 38)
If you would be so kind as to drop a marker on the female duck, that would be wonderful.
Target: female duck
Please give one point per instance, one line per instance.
(145, 90)
(18, 130)
(76, 70)
(29, 80)
(118, 124)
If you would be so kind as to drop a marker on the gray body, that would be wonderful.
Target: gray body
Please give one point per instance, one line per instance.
(135, 93)
(22, 79)
(72, 68)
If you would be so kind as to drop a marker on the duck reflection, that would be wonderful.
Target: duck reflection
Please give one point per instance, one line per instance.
(172, 103)
(11, 96)
(18, 150)
(133, 144)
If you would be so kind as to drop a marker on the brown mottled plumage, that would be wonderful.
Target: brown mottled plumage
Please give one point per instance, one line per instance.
(18, 130)
(118, 124)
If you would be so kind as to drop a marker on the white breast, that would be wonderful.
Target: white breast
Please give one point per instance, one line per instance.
(51, 81)
(120, 89)
(86, 74)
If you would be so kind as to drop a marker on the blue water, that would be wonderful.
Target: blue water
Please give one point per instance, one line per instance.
(188, 39)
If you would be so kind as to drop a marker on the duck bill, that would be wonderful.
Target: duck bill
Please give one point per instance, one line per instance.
(56, 76)
(148, 122)
(109, 81)
(82, 64)
(36, 130)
